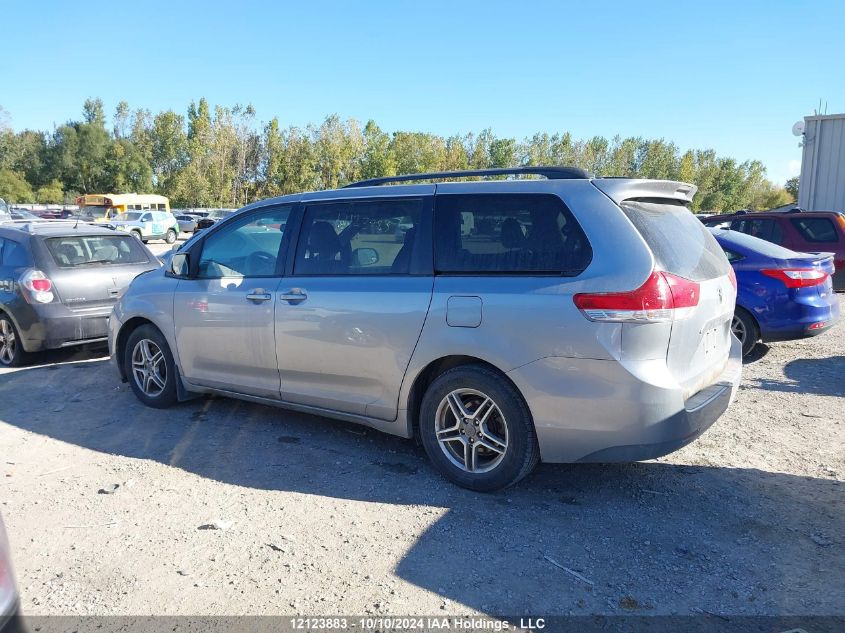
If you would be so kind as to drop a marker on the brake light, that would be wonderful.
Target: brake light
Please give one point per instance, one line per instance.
(39, 286)
(732, 277)
(663, 297)
(797, 277)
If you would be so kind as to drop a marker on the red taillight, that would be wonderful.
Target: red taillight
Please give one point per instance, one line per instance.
(732, 277)
(39, 286)
(797, 277)
(818, 325)
(658, 299)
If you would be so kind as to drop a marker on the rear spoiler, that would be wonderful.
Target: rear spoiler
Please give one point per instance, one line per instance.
(620, 189)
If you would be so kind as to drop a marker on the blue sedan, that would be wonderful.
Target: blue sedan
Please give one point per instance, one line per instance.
(781, 295)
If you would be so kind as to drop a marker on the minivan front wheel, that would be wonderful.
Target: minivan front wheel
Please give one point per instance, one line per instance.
(477, 430)
(149, 367)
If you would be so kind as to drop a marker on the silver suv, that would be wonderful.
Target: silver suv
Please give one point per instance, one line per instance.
(568, 319)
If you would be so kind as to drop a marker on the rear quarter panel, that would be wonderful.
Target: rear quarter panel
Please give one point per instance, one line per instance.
(526, 318)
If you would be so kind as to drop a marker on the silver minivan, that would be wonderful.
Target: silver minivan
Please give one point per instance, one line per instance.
(503, 322)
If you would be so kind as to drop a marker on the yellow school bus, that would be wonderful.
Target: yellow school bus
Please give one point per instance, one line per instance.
(104, 206)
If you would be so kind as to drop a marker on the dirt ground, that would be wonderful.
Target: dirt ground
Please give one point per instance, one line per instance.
(322, 517)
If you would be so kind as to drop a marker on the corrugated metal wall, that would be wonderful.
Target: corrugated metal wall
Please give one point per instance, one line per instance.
(822, 186)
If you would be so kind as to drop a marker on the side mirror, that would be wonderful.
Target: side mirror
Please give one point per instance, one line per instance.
(179, 265)
(365, 256)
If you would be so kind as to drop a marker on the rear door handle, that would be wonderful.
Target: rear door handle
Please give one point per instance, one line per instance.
(258, 296)
(295, 295)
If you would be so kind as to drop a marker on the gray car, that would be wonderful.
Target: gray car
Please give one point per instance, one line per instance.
(187, 223)
(571, 319)
(58, 283)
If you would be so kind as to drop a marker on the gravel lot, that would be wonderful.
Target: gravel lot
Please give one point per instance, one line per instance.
(330, 518)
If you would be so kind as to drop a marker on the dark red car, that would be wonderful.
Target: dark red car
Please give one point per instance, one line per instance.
(797, 230)
(56, 214)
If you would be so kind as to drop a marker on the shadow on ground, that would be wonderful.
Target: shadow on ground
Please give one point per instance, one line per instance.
(741, 540)
(820, 376)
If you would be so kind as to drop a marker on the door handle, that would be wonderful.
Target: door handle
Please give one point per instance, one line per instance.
(258, 296)
(294, 295)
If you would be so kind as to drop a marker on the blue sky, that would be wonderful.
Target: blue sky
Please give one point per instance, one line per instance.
(732, 76)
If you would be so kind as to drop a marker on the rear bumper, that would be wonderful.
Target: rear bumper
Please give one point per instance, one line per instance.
(802, 317)
(603, 411)
(52, 326)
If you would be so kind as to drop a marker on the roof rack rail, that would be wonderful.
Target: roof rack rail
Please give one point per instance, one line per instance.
(552, 173)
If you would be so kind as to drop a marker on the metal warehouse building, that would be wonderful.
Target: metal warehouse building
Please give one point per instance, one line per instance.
(822, 184)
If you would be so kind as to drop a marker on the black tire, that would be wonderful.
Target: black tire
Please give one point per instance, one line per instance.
(166, 396)
(522, 451)
(12, 353)
(170, 236)
(745, 329)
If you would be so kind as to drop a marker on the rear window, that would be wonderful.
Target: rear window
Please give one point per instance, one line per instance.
(816, 229)
(96, 250)
(680, 243)
(508, 234)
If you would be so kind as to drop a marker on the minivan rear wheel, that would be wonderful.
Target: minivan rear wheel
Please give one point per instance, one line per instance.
(12, 353)
(477, 429)
(149, 366)
(170, 236)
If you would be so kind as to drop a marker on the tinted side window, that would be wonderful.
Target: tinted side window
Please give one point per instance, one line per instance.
(14, 254)
(763, 228)
(249, 247)
(508, 233)
(816, 229)
(366, 237)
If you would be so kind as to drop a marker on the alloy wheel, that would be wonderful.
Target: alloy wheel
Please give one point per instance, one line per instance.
(471, 430)
(148, 367)
(8, 343)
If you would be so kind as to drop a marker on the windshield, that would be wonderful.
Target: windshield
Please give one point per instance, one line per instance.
(98, 211)
(82, 250)
(131, 216)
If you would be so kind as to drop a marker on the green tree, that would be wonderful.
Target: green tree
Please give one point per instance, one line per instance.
(14, 187)
(168, 150)
(791, 187)
(51, 193)
(377, 159)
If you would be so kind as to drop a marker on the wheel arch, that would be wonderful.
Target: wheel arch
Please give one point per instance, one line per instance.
(437, 367)
(753, 317)
(123, 335)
